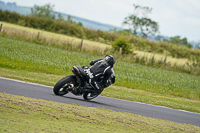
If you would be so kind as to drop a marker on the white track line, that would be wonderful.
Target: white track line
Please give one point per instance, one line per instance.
(25, 82)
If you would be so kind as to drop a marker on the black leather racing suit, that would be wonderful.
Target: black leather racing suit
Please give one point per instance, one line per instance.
(100, 75)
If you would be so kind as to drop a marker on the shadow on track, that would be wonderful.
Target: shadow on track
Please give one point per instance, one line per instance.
(98, 104)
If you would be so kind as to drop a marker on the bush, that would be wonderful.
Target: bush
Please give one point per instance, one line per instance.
(122, 43)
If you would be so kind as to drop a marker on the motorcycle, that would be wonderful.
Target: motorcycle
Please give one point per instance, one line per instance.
(76, 84)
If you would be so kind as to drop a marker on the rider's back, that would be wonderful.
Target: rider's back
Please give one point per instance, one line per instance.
(100, 68)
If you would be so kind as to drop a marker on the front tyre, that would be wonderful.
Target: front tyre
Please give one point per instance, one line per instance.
(89, 96)
(62, 86)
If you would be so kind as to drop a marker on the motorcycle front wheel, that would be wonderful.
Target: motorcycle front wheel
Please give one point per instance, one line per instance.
(62, 86)
(89, 96)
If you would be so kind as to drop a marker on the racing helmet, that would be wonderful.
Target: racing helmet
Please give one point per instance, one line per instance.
(110, 60)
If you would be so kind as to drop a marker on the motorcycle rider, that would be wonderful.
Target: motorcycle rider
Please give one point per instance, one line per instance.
(101, 73)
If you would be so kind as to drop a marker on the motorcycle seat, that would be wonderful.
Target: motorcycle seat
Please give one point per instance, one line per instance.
(83, 72)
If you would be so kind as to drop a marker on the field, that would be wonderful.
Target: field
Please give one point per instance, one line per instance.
(22, 114)
(134, 82)
(49, 36)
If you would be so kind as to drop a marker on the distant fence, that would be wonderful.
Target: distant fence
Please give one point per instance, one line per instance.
(1, 27)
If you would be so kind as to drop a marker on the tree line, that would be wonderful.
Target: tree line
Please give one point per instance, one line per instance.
(47, 11)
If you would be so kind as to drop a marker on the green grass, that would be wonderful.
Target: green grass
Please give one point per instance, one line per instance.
(45, 65)
(75, 44)
(30, 32)
(31, 57)
(22, 114)
(50, 35)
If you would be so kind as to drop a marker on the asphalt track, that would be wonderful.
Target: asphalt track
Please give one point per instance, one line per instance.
(37, 91)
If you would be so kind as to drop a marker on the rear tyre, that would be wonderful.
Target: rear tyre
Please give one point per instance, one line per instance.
(89, 96)
(62, 86)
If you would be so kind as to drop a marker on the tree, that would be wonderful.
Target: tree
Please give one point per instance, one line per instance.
(43, 11)
(69, 20)
(121, 32)
(159, 38)
(60, 17)
(46, 11)
(197, 46)
(179, 41)
(140, 22)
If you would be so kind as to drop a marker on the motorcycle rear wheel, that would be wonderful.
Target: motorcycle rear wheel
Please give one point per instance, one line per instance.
(62, 85)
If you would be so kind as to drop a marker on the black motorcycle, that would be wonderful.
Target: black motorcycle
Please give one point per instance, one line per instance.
(76, 84)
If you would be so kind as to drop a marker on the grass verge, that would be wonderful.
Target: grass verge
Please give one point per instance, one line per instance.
(22, 114)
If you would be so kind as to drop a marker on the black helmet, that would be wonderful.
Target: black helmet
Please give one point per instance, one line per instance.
(110, 60)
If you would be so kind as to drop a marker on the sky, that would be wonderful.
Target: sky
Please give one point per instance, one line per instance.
(174, 17)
